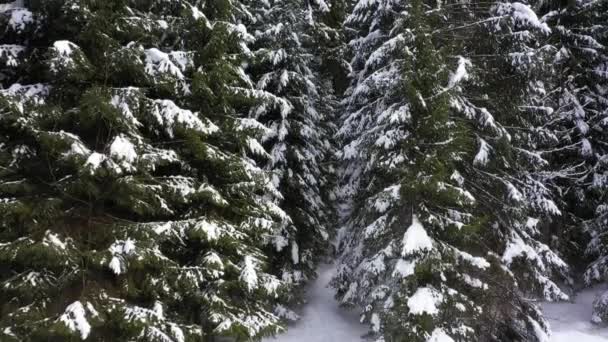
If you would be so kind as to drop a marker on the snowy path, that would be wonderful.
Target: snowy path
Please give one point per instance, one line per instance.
(570, 322)
(322, 320)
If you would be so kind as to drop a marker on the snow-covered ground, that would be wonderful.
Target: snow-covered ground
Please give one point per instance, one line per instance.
(322, 320)
(571, 322)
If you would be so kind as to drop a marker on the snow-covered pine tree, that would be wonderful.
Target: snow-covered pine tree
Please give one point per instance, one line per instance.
(295, 106)
(475, 186)
(580, 40)
(509, 98)
(328, 47)
(516, 186)
(129, 211)
(405, 259)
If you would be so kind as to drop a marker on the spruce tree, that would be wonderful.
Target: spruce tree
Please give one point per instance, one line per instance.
(295, 107)
(580, 56)
(129, 209)
(434, 143)
(517, 188)
(168, 168)
(506, 98)
(403, 258)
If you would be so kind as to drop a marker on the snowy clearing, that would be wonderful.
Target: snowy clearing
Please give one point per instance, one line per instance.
(322, 320)
(572, 321)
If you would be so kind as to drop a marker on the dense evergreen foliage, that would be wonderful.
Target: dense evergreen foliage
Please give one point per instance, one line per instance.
(580, 99)
(129, 208)
(434, 143)
(298, 128)
(176, 170)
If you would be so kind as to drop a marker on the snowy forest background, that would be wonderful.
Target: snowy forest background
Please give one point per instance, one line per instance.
(176, 170)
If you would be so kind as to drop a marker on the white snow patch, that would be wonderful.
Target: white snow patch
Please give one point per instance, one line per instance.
(158, 309)
(322, 319)
(212, 258)
(79, 149)
(64, 47)
(457, 177)
(586, 148)
(119, 250)
(64, 53)
(178, 333)
(404, 268)
(123, 150)
(531, 223)
(461, 73)
(20, 18)
(479, 262)
(215, 195)
(322, 5)
(256, 148)
(540, 333)
(120, 103)
(168, 114)
(386, 198)
(295, 253)
(196, 13)
(571, 321)
(52, 239)
(123, 247)
(375, 321)
(158, 62)
(523, 14)
(514, 193)
(11, 6)
(517, 247)
(116, 266)
(416, 239)
(31, 92)
(425, 300)
(95, 160)
(249, 275)
(210, 228)
(439, 335)
(482, 156)
(474, 282)
(75, 320)
(92, 310)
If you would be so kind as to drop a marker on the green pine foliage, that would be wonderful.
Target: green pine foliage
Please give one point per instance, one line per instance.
(580, 57)
(297, 109)
(407, 256)
(443, 128)
(505, 99)
(516, 187)
(176, 170)
(130, 211)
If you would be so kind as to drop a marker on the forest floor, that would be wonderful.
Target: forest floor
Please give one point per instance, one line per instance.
(571, 322)
(322, 319)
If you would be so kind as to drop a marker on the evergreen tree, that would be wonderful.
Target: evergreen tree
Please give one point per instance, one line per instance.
(295, 107)
(580, 41)
(443, 153)
(328, 49)
(516, 186)
(507, 100)
(168, 169)
(129, 211)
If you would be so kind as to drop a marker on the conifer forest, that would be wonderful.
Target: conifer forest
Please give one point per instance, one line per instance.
(190, 170)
